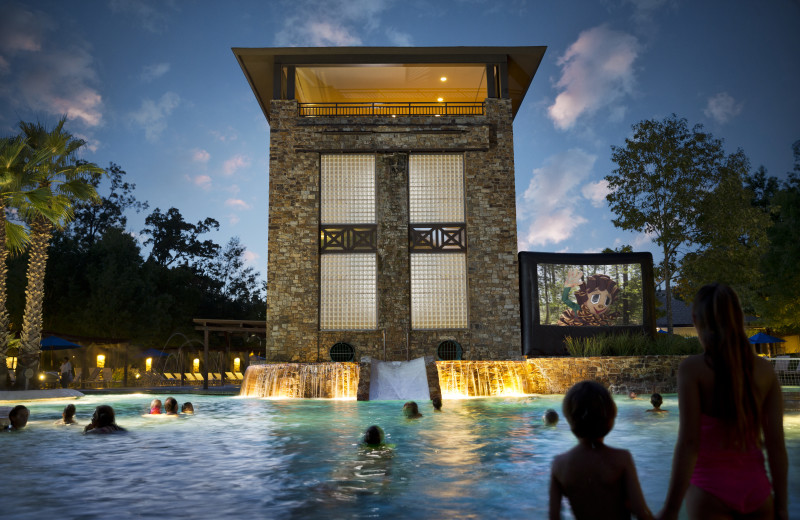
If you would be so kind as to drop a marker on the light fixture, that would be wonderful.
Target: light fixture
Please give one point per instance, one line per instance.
(41, 377)
(101, 361)
(137, 376)
(196, 365)
(148, 365)
(440, 100)
(443, 78)
(237, 364)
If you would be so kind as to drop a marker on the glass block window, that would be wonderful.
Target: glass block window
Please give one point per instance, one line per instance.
(347, 189)
(348, 291)
(438, 291)
(436, 188)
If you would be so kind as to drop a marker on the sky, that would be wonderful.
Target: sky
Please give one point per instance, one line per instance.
(153, 86)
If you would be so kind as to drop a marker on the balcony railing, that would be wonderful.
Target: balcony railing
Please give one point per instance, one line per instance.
(390, 109)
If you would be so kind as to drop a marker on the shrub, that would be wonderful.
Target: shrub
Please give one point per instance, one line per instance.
(628, 344)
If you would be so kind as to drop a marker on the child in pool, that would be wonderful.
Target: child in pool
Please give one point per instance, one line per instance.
(67, 416)
(373, 436)
(411, 410)
(187, 408)
(599, 481)
(155, 407)
(656, 401)
(437, 404)
(550, 417)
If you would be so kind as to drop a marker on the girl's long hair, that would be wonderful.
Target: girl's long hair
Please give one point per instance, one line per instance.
(720, 324)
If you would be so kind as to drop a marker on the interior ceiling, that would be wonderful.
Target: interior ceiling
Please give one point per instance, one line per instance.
(391, 83)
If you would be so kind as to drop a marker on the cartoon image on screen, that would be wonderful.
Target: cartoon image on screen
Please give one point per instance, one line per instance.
(590, 295)
(593, 300)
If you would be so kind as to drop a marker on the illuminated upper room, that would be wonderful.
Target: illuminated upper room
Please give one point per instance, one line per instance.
(389, 80)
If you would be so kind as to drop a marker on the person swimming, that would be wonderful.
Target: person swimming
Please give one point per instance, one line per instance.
(656, 401)
(411, 410)
(187, 408)
(67, 416)
(550, 417)
(373, 436)
(103, 421)
(437, 404)
(18, 417)
(155, 407)
(171, 406)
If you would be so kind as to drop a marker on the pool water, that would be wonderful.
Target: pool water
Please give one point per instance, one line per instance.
(243, 458)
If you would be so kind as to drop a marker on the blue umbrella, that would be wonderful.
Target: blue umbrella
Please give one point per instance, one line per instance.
(765, 338)
(56, 343)
(153, 352)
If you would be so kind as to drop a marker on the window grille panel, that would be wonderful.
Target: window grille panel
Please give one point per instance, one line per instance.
(438, 291)
(347, 189)
(436, 188)
(348, 292)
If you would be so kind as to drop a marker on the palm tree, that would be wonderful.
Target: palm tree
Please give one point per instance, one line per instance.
(57, 180)
(13, 236)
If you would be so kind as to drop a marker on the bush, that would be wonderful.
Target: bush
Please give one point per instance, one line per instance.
(628, 344)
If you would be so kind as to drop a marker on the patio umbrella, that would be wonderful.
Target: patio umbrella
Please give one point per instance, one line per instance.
(56, 343)
(765, 338)
(153, 352)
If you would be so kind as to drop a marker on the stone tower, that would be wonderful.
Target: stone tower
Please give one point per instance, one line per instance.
(392, 217)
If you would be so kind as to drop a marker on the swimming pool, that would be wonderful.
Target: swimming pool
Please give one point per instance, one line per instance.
(261, 458)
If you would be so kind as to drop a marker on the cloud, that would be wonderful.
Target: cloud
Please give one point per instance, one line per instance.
(722, 108)
(596, 192)
(45, 73)
(597, 71)
(645, 10)
(151, 15)
(229, 135)
(199, 155)
(233, 219)
(152, 72)
(397, 38)
(332, 23)
(552, 198)
(203, 181)
(250, 257)
(235, 163)
(152, 115)
(237, 203)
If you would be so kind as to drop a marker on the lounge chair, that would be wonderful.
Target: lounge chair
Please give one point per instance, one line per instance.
(217, 377)
(93, 378)
(170, 378)
(189, 377)
(199, 377)
(230, 377)
(781, 364)
(239, 376)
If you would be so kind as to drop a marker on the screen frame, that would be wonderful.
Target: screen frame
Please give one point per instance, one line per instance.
(548, 340)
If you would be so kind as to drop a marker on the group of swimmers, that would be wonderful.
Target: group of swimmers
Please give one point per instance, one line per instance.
(170, 407)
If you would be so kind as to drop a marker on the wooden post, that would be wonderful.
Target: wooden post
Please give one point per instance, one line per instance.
(205, 354)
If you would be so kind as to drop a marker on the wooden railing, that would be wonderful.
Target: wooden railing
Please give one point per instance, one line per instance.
(390, 109)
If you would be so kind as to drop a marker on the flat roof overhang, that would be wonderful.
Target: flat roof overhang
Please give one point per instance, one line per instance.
(516, 65)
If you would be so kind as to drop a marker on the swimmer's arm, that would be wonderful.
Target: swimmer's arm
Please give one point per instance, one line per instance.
(555, 493)
(772, 425)
(637, 504)
(686, 447)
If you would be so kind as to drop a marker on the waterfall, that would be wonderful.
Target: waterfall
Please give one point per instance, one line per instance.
(489, 378)
(301, 380)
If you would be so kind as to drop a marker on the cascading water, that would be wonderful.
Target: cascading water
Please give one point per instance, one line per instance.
(301, 380)
(489, 378)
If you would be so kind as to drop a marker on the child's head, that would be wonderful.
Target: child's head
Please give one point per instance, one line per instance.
(410, 409)
(550, 417)
(633, 395)
(69, 412)
(187, 407)
(103, 416)
(656, 400)
(18, 416)
(590, 410)
(437, 403)
(155, 404)
(171, 405)
(373, 436)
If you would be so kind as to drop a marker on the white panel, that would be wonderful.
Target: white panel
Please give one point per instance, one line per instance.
(347, 189)
(438, 291)
(348, 291)
(436, 188)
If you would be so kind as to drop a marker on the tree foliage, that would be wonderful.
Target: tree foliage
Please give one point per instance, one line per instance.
(663, 172)
(173, 240)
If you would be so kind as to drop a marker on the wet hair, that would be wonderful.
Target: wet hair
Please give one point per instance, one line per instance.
(154, 403)
(550, 417)
(104, 416)
(411, 409)
(596, 282)
(719, 321)
(590, 410)
(437, 403)
(69, 411)
(656, 400)
(171, 405)
(373, 436)
(16, 410)
(187, 407)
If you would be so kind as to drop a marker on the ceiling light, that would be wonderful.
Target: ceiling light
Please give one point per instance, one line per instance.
(440, 100)
(443, 78)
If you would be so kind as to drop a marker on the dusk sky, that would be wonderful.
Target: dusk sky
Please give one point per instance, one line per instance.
(154, 87)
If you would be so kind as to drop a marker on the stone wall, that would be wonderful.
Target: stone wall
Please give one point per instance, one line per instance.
(293, 262)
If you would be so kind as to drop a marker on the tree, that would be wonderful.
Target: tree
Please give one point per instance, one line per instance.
(731, 236)
(59, 180)
(94, 218)
(175, 240)
(662, 173)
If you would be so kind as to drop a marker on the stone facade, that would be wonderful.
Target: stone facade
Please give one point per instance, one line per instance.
(296, 144)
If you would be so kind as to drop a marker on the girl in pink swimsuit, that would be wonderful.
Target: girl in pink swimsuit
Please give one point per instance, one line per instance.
(728, 397)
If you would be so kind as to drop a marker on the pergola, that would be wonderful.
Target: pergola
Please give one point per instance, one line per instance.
(245, 328)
